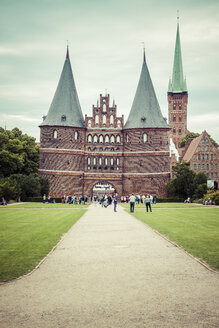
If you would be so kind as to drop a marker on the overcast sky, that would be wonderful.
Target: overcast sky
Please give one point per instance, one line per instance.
(106, 53)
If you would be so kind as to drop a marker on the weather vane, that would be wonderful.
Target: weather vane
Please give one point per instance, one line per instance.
(143, 45)
(178, 14)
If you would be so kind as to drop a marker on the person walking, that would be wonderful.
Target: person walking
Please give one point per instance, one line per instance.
(115, 201)
(132, 203)
(148, 203)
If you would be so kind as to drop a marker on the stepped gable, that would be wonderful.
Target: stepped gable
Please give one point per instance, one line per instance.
(178, 83)
(145, 111)
(65, 109)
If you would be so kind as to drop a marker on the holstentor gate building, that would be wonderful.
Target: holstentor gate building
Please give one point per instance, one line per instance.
(76, 153)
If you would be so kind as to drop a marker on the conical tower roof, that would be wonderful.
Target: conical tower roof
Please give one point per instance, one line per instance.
(178, 83)
(145, 111)
(65, 109)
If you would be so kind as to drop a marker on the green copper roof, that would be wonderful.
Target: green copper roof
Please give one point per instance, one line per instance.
(145, 111)
(178, 83)
(65, 109)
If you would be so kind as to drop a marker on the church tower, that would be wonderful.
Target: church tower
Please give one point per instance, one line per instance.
(62, 138)
(177, 97)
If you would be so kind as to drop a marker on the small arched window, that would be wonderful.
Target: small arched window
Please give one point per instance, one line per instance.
(119, 124)
(100, 161)
(145, 137)
(174, 131)
(111, 119)
(89, 138)
(95, 161)
(55, 134)
(118, 139)
(101, 139)
(95, 139)
(117, 161)
(76, 135)
(63, 118)
(112, 139)
(180, 119)
(96, 119)
(106, 161)
(180, 131)
(89, 123)
(111, 161)
(127, 137)
(104, 119)
(107, 139)
(174, 118)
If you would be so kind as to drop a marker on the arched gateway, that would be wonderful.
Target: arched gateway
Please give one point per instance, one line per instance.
(77, 153)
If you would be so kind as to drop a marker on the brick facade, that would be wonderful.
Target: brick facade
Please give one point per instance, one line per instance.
(131, 160)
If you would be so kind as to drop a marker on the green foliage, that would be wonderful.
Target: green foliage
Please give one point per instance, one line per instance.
(170, 200)
(187, 183)
(44, 189)
(18, 153)
(190, 135)
(9, 189)
(212, 194)
(216, 200)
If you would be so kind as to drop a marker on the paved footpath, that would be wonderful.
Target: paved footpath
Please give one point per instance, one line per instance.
(111, 271)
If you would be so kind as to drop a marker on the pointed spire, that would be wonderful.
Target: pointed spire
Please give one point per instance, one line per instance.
(65, 109)
(178, 83)
(145, 111)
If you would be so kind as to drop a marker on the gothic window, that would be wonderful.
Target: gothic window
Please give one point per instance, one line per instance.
(89, 149)
(174, 106)
(101, 149)
(194, 166)
(55, 134)
(145, 137)
(206, 148)
(106, 161)
(104, 119)
(88, 161)
(95, 149)
(95, 161)
(111, 161)
(112, 139)
(89, 138)
(215, 166)
(174, 118)
(107, 139)
(215, 174)
(180, 131)
(76, 135)
(199, 166)
(206, 140)
(106, 149)
(104, 107)
(180, 107)
(211, 166)
(199, 157)
(174, 131)
(203, 140)
(118, 139)
(112, 149)
(127, 137)
(89, 123)
(203, 166)
(206, 157)
(203, 157)
(117, 161)
(203, 148)
(101, 139)
(180, 119)
(96, 119)
(117, 149)
(119, 123)
(111, 119)
(63, 118)
(212, 175)
(211, 157)
(95, 139)
(207, 166)
(100, 161)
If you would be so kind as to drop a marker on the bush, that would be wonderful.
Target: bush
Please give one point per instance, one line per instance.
(216, 200)
(39, 199)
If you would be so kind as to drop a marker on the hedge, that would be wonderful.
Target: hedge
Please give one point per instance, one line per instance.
(39, 199)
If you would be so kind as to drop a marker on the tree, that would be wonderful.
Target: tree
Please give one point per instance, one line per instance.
(9, 189)
(19, 153)
(187, 183)
(190, 135)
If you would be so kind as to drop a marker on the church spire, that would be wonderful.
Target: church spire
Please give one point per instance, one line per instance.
(65, 109)
(178, 83)
(145, 111)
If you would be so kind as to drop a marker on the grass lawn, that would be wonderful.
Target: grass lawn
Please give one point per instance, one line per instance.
(159, 205)
(196, 230)
(50, 205)
(27, 236)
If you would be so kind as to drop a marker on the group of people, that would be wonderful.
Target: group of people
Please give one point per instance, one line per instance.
(147, 200)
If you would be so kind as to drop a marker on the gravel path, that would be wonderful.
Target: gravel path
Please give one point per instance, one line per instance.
(111, 271)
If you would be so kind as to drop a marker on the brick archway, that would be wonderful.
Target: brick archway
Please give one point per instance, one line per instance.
(89, 185)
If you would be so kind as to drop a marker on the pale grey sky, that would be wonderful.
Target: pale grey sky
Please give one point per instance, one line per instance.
(106, 52)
